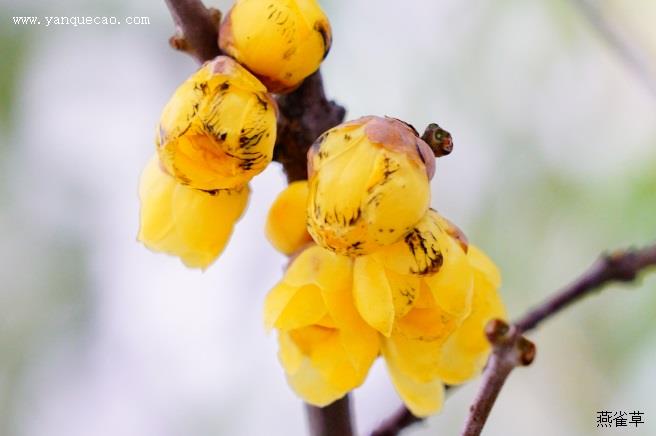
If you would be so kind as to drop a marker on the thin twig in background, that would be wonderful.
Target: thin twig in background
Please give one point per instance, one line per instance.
(512, 349)
(629, 54)
(620, 266)
(509, 350)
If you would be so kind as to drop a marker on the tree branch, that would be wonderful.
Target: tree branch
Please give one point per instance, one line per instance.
(332, 420)
(633, 58)
(393, 425)
(304, 115)
(620, 266)
(196, 29)
(512, 349)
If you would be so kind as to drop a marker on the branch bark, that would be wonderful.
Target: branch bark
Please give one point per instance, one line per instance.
(332, 420)
(633, 57)
(512, 349)
(197, 29)
(620, 266)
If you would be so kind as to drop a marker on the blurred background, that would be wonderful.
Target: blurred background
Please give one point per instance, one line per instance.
(554, 161)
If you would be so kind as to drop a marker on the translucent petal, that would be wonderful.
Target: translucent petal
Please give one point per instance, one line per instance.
(316, 265)
(421, 398)
(306, 307)
(373, 295)
(420, 252)
(156, 217)
(465, 352)
(286, 225)
(452, 285)
(305, 379)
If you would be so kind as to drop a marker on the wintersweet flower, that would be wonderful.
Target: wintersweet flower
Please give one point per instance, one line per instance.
(429, 346)
(280, 41)
(326, 348)
(218, 129)
(185, 222)
(368, 184)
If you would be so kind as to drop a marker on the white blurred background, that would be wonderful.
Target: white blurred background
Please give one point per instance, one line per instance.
(554, 161)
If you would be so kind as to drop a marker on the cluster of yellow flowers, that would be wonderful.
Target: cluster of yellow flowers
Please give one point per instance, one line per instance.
(374, 270)
(386, 275)
(219, 128)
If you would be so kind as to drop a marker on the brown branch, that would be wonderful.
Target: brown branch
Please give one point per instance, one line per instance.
(632, 56)
(304, 115)
(621, 266)
(393, 425)
(332, 420)
(512, 349)
(196, 29)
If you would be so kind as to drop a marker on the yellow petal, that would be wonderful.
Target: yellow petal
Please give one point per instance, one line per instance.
(156, 217)
(304, 379)
(358, 338)
(286, 225)
(405, 290)
(306, 307)
(484, 265)
(429, 324)
(452, 285)
(288, 307)
(373, 295)
(419, 252)
(318, 266)
(421, 398)
(465, 352)
(416, 357)
(325, 368)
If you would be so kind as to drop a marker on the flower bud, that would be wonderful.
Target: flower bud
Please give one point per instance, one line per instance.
(191, 224)
(219, 128)
(286, 225)
(280, 41)
(369, 184)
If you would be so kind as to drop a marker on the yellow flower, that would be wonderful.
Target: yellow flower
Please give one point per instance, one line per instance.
(191, 224)
(286, 225)
(219, 128)
(335, 313)
(326, 348)
(369, 184)
(430, 346)
(280, 41)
